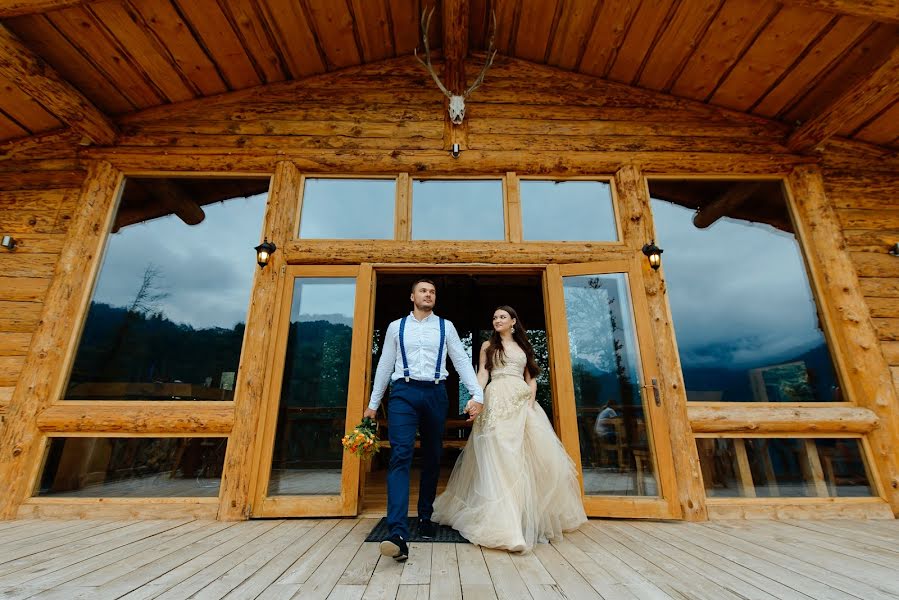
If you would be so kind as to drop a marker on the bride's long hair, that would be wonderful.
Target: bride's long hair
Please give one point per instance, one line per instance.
(495, 353)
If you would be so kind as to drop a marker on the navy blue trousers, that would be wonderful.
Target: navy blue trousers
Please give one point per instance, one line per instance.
(414, 406)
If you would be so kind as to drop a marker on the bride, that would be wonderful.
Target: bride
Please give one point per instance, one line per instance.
(513, 485)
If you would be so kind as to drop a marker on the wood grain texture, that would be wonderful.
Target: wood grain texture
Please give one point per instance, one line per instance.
(781, 420)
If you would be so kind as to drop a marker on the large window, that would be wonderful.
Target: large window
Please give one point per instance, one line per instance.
(167, 316)
(746, 322)
(457, 210)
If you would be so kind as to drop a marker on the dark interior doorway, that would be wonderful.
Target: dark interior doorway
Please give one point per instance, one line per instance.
(468, 300)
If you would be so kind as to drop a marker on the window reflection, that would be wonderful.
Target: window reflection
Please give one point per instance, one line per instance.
(167, 315)
(616, 457)
(348, 209)
(746, 323)
(308, 456)
(457, 210)
(797, 467)
(567, 211)
(108, 467)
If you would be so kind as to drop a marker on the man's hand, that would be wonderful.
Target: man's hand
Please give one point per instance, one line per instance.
(370, 413)
(473, 409)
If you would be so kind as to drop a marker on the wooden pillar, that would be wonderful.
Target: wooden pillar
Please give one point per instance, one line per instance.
(241, 456)
(637, 229)
(851, 334)
(53, 345)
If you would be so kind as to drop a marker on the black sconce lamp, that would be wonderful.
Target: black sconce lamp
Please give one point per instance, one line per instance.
(895, 249)
(456, 151)
(8, 242)
(264, 252)
(654, 254)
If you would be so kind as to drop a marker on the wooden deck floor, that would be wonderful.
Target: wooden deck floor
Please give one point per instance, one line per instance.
(327, 558)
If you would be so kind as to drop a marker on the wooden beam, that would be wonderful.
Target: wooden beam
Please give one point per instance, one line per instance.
(127, 417)
(773, 419)
(37, 79)
(867, 91)
(52, 348)
(852, 336)
(886, 11)
(738, 193)
(17, 8)
(455, 43)
(254, 359)
(637, 225)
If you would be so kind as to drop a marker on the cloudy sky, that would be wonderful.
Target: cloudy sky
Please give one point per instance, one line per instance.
(206, 269)
(735, 283)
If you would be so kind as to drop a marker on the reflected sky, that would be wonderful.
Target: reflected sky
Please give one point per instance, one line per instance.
(567, 211)
(737, 285)
(348, 209)
(457, 210)
(328, 298)
(206, 269)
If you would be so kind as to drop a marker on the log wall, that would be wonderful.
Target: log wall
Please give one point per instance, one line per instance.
(387, 118)
(37, 200)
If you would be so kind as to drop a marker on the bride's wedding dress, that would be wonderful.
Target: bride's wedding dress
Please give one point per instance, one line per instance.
(513, 485)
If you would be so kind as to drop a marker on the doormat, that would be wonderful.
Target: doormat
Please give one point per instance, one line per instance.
(445, 535)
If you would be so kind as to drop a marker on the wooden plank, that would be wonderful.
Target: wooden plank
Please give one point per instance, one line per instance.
(371, 23)
(737, 418)
(535, 26)
(610, 28)
(222, 44)
(875, 264)
(650, 19)
(868, 90)
(256, 38)
(405, 26)
(878, 10)
(38, 266)
(301, 50)
(277, 227)
(47, 363)
(333, 27)
(124, 23)
(385, 581)
(734, 28)
(676, 43)
(879, 287)
(885, 218)
(569, 41)
(417, 568)
(445, 578)
(887, 329)
(882, 128)
(181, 49)
(771, 55)
(567, 580)
(10, 369)
(18, 63)
(845, 33)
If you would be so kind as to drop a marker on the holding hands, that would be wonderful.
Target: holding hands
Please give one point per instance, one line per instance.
(473, 409)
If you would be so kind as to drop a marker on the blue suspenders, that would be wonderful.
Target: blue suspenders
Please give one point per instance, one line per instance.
(439, 349)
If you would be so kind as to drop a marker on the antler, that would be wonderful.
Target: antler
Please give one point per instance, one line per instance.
(491, 54)
(425, 27)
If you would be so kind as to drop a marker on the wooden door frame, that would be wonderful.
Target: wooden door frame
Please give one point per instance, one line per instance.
(665, 505)
(347, 502)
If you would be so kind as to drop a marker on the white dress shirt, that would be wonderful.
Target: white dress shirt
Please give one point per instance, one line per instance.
(421, 340)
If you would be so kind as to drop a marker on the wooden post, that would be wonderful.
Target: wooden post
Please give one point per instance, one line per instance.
(637, 229)
(53, 344)
(254, 359)
(850, 331)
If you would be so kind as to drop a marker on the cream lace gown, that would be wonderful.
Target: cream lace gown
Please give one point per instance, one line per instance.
(513, 485)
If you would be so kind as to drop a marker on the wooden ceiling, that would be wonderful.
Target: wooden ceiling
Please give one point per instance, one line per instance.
(825, 67)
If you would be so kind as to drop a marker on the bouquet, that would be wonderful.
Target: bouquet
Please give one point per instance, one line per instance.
(363, 439)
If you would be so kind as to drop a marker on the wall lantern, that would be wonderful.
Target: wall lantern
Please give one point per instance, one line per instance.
(264, 252)
(894, 250)
(8, 242)
(654, 254)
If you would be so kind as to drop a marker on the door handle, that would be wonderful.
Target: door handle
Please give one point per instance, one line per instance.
(656, 394)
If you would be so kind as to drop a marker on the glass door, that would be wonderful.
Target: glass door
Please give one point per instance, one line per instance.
(315, 393)
(610, 414)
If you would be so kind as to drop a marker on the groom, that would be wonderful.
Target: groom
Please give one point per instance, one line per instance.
(414, 360)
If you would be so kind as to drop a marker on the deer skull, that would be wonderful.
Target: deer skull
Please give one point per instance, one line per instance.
(456, 107)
